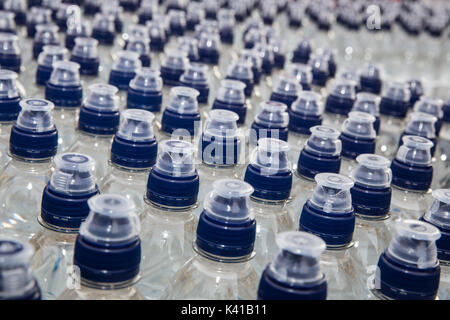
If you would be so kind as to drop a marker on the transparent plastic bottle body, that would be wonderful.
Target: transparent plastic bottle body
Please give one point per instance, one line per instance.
(5, 130)
(97, 147)
(65, 121)
(88, 293)
(302, 189)
(202, 278)
(296, 143)
(168, 237)
(52, 259)
(271, 219)
(444, 283)
(407, 204)
(441, 165)
(130, 183)
(22, 184)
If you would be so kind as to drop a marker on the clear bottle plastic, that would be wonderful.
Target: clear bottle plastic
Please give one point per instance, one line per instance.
(221, 268)
(409, 268)
(358, 136)
(32, 144)
(438, 214)
(168, 221)
(412, 173)
(111, 230)
(295, 272)
(270, 175)
(16, 280)
(133, 153)
(330, 215)
(64, 207)
(98, 122)
(219, 149)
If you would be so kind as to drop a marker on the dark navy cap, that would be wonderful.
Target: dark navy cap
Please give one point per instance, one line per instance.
(395, 100)
(10, 53)
(124, 69)
(271, 122)
(85, 53)
(231, 96)
(358, 135)
(9, 96)
(64, 86)
(145, 90)
(305, 112)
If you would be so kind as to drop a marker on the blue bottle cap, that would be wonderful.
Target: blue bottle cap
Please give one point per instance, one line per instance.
(302, 52)
(358, 134)
(173, 65)
(295, 272)
(196, 76)
(190, 46)
(10, 53)
(157, 35)
(252, 37)
(253, 57)
(370, 79)
(63, 13)
(16, 280)
(173, 182)
(320, 70)
(103, 28)
(305, 112)
(421, 124)
(37, 15)
(322, 152)
(241, 70)
(124, 69)
(49, 55)
(146, 10)
(279, 51)
(99, 114)
(64, 200)
(195, 14)
(113, 9)
(181, 113)
(211, 8)
(77, 28)
(439, 215)
(64, 86)
(286, 89)
(134, 144)
(371, 194)
(46, 34)
(395, 100)
(341, 97)
(416, 90)
(433, 107)
(265, 51)
(145, 90)
(303, 73)
(19, 7)
(226, 21)
(409, 268)
(269, 171)
(209, 47)
(85, 53)
(329, 55)
(271, 122)
(368, 103)
(140, 44)
(91, 7)
(268, 11)
(9, 96)
(34, 135)
(226, 229)
(108, 249)
(177, 22)
(7, 23)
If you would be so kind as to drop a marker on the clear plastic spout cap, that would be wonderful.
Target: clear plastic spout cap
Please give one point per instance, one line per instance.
(273, 114)
(222, 123)
(319, 63)
(397, 91)
(298, 259)
(138, 44)
(430, 106)
(271, 156)
(126, 61)
(51, 54)
(9, 43)
(79, 27)
(112, 219)
(74, 173)
(175, 59)
(15, 271)
(302, 72)
(226, 18)
(332, 193)
(196, 73)
(147, 79)
(231, 91)
(65, 73)
(344, 88)
(229, 201)
(367, 103)
(86, 48)
(414, 244)
(415, 150)
(359, 124)
(46, 33)
(209, 41)
(421, 124)
(288, 85)
(372, 171)
(136, 125)
(252, 56)
(39, 15)
(102, 97)
(324, 141)
(183, 100)
(8, 84)
(176, 158)
(308, 103)
(36, 115)
(240, 69)
(439, 212)
(370, 71)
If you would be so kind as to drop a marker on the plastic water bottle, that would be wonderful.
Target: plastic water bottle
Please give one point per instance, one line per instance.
(36, 16)
(32, 144)
(225, 233)
(190, 46)
(124, 69)
(422, 125)
(77, 28)
(10, 107)
(197, 77)
(409, 268)
(321, 153)
(107, 252)
(371, 199)
(103, 29)
(64, 89)
(412, 174)
(286, 89)
(270, 175)
(181, 116)
(304, 113)
(64, 207)
(295, 272)
(302, 52)
(370, 79)
(19, 7)
(10, 52)
(358, 136)
(438, 215)
(98, 122)
(157, 36)
(177, 22)
(231, 96)
(85, 53)
(146, 10)
(330, 215)
(16, 278)
(145, 90)
(219, 149)
(168, 221)
(49, 55)
(46, 34)
(339, 102)
(140, 44)
(133, 153)
(173, 65)
(368, 103)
